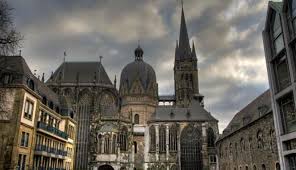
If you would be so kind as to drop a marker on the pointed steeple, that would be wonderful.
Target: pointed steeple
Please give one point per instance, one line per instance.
(193, 51)
(184, 49)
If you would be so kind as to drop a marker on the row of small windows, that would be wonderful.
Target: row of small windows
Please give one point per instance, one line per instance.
(262, 167)
(261, 142)
(50, 104)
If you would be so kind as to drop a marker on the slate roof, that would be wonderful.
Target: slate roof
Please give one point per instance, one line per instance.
(21, 71)
(88, 72)
(253, 111)
(195, 112)
(138, 70)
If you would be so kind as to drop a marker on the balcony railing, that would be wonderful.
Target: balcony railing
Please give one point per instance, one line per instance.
(53, 130)
(50, 150)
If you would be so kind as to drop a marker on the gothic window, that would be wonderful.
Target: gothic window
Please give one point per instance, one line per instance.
(277, 35)
(123, 139)
(136, 119)
(250, 143)
(260, 139)
(106, 103)
(282, 72)
(235, 149)
(288, 113)
(152, 138)
(114, 144)
(254, 167)
(191, 144)
(162, 137)
(107, 144)
(173, 138)
(211, 137)
(247, 168)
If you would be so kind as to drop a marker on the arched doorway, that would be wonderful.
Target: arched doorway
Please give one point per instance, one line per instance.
(105, 167)
(191, 157)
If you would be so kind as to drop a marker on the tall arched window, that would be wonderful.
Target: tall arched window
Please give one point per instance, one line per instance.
(152, 138)
(107, 144)
(173, 138)
(254, 167)
(123, 139)
(191, 146)
(211, 137)
(162, 141)
(136, 119)
(114, 144)
(242, 143)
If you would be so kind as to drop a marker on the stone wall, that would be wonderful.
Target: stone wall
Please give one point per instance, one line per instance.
(251, 146)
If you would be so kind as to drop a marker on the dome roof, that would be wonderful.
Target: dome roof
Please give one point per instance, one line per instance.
(138, 70)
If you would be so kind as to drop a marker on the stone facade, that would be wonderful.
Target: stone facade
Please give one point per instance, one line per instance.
(249, 141)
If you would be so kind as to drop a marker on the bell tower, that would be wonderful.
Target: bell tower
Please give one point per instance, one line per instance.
(185, 68)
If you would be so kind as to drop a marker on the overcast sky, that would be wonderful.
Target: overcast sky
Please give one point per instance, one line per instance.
(227, 36)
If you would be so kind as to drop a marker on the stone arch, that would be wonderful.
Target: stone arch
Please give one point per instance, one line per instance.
(162, 138)
(105, 167)
(191, 145)
(107, 103)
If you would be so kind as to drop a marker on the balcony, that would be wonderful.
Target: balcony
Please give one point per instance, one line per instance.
(53, 130)
(47, 149)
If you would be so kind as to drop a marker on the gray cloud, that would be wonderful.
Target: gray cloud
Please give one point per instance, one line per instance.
(227, 35)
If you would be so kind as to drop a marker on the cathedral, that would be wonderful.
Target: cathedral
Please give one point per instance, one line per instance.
(135, 127)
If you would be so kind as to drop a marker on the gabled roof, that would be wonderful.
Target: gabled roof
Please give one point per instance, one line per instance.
(253, 111)
(87, 71)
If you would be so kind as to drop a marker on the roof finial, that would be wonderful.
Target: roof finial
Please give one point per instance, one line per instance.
(101, 59)
(20, 52)
(42, 79)
(65, 54)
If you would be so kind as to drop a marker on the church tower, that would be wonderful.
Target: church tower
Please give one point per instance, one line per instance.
(185, 69)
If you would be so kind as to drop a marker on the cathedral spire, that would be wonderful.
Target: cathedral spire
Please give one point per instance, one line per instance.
(184, 46)
(193, 50)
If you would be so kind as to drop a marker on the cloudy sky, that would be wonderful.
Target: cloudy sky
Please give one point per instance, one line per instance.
(227, 35)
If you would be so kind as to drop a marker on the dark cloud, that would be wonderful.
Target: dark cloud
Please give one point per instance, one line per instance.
(227, 35)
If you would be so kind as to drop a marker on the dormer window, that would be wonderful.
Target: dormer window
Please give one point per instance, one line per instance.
(31, 85)
(6, 78)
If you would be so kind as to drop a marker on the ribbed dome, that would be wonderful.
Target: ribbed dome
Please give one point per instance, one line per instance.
(137, 70)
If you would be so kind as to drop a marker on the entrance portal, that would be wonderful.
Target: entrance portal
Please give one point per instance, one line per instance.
(105, 167)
